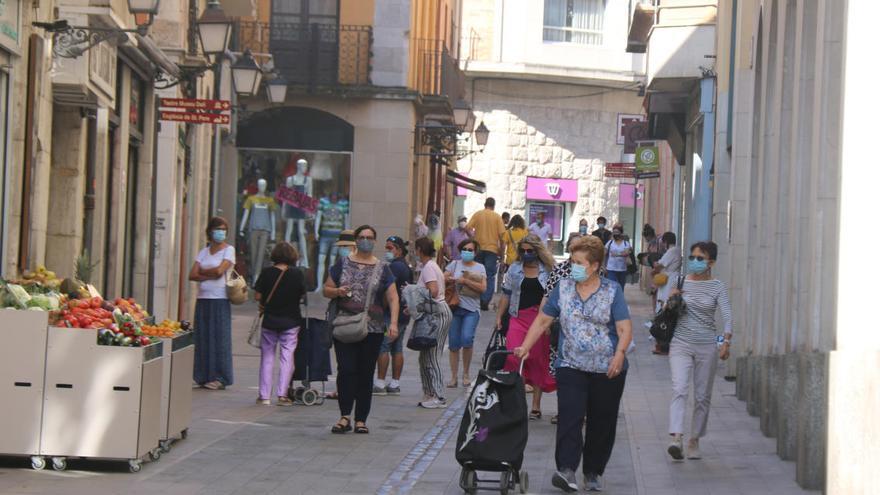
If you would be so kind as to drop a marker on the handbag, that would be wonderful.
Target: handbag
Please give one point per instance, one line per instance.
(236, 287)
(425, 329)
(451, 296)
(664, 323)
(349, 329)
(256, 333)
(631, 265)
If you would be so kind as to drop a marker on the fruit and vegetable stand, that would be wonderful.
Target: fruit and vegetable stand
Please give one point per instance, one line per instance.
(81, 377)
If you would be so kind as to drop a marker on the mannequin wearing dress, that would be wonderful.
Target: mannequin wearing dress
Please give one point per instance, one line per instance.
(296, 217)
(258, 221)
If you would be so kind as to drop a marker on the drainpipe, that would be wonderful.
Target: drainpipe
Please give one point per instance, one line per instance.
(701, 211)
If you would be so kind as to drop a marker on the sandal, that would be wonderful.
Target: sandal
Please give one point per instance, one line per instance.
(466, 381)
(535, 414)
(341, 426)
(331, 396)
(215, 385)
(362, 429)
(452, 384)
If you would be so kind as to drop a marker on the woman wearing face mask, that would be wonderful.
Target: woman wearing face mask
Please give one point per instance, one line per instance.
(617, 251)
(213, 318)
(584, 227)
(349, 284)
(469, 278)
(431, 277)
(591, 367)
(392, 351)
(346, 244)
(694, 353)
(523, 291)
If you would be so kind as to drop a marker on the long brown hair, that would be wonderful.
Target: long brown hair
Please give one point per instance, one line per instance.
(543, 253)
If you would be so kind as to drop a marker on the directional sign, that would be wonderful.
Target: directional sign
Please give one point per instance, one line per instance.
(194, 118)
(194, 104)
(620, 170)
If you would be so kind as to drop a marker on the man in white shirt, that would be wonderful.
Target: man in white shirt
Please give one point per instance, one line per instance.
(541, 229)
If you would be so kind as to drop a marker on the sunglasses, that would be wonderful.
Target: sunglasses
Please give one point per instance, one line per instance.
(697, 258)
(526, 251)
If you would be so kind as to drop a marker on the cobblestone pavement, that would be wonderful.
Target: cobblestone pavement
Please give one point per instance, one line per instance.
(237, 447)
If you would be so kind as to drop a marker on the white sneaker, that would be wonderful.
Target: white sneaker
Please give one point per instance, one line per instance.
(693, 451)
(676, 448)
(379, 390)
(433, 404)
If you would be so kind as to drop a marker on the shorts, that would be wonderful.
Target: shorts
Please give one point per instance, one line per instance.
(463, 328)
(395, 347)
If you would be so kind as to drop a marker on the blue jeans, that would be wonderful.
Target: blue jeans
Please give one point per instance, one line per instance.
(619, 277)
(463, 328)
(490, 261)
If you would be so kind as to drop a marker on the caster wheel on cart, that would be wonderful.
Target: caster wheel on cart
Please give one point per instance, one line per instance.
(134, 465)
(310, 397)
(38, 463)
(468, 481)
(165, 446)
(523, 482)
(59, 463)
(184, 434)
(156, 454)
(504, 485)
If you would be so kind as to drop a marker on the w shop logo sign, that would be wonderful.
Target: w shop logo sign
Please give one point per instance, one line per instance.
(553, 189)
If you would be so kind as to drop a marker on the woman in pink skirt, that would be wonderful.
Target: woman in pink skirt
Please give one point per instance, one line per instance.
(522, 292)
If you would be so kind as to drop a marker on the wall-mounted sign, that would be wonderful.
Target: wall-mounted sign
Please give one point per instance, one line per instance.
(620, 170)
(624, 120)
(539, 188)
(195, 118)
(647, 162)
(10, 22)
(633, 132)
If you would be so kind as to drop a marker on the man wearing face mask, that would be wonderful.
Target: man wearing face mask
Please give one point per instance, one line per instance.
(543, 230)
(454, 238)
(601, 232)
(584, 227)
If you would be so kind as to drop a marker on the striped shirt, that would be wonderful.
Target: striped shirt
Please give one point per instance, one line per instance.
(702, 298)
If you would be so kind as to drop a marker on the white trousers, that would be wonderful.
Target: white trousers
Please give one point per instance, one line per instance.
(700, 362)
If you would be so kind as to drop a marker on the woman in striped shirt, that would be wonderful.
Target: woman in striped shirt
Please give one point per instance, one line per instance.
(693, 351)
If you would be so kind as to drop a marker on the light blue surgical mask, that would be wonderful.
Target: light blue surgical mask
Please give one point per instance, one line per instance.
(467, 256)
(697, 267)
(583, 230)
(389, 256)
(600, 225)
(218, 235)
(366, 245)
(578, 272)
(345, 251)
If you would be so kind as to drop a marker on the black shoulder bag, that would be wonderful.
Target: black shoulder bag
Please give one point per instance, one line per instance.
(663, 326)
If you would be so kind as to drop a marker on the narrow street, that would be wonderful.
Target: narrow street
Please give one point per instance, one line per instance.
(237, 447)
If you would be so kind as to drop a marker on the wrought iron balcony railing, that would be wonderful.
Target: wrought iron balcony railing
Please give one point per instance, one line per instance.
(313, 55)
(437, 71)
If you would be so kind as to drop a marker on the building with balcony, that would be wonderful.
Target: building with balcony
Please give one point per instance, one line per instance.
(548, 79)
(363, 78)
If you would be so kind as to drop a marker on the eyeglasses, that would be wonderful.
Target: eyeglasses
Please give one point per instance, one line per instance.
(469, 250)
(697, 258)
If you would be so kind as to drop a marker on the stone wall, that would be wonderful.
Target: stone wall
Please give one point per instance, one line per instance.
(547, 130)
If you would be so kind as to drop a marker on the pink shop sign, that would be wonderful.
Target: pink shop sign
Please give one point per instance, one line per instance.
(539, 188)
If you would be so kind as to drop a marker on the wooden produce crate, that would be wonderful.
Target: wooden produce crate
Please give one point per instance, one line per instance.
(102, 402)
(22, 373)
(177, 368)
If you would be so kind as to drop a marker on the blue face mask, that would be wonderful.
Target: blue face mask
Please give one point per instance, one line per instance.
(345, 251)
(366, 245)
(583, 230)
(218, 235)
(601, 225)
(578, 272)
(389, 256)
(697, 267)
(467, 256)
(530, 258)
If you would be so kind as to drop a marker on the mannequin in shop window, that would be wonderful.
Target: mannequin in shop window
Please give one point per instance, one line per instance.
(258, 221)
(296, 217)
(331, 220)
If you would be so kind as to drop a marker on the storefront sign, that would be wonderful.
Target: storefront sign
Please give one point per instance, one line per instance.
(9, 23)
(297, 199)
(647, 162)
(553, 216)
(620, 170)
(194, 118)
(633, 132)
(623, 121)
(628, 195)
(195, 104)
(539, 188)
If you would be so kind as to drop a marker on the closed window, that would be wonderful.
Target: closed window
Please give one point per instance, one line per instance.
(574, 21)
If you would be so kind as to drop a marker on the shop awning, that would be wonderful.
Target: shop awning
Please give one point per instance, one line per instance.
(465, 182)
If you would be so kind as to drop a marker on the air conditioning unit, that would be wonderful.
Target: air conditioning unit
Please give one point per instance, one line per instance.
(88, 80)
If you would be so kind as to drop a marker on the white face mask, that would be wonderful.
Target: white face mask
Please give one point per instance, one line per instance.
(462, 225)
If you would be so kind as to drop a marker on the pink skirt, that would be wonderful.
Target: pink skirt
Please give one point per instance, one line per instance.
(536, 370)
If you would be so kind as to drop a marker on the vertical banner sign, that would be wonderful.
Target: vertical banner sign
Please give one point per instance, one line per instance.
(647, 162)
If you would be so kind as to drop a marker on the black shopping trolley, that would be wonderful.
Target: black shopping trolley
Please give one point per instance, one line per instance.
(311, 362)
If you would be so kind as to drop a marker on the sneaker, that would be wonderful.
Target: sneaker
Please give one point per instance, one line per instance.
(693, 451)
(263, 402)
(284, 401)
(433, 404)
(392, 390)
(379, 390)
(565, 481)
(594, 482)
(676, 449)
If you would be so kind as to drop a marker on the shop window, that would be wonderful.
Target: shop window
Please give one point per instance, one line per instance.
(555, 215)
(310, 202)
(574, 21)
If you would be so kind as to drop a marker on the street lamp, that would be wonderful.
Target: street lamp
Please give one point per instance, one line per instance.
(482, 135)
(150, 7)
(246, 75)
(214, 29)
(276, 89)
(463, 116)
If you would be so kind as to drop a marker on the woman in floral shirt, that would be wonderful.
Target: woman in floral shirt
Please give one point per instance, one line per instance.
(591, 366)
